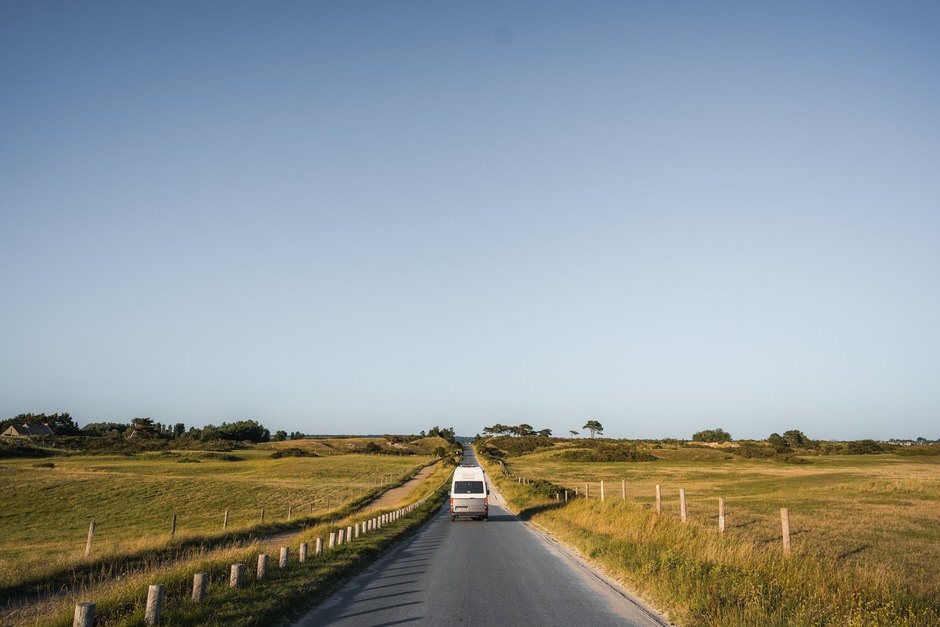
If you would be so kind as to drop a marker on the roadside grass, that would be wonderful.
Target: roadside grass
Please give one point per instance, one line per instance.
(118, 583)
(865, 534)
(46, 511)
(282, 595)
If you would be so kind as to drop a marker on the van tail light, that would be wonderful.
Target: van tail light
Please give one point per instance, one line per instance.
(486, 501)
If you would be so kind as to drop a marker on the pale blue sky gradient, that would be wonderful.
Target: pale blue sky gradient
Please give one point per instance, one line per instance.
(377, 217)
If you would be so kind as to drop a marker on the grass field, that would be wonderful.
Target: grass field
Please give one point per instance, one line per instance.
(865, 533)
(132, 499)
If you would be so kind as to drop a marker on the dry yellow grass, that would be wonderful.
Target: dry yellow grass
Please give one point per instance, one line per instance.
(865, 533)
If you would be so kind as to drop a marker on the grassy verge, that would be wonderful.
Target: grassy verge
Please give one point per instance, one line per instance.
(282, 595)
(741, 577)
(133, 499)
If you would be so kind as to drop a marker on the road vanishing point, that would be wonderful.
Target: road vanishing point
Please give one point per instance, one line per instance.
(495, 573)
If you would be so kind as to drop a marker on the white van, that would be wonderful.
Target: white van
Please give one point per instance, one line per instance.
(469, 494)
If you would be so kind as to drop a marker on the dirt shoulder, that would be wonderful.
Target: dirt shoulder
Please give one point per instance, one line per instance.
(395, 495)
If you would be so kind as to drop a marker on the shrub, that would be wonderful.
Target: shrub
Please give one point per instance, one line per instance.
(514, 447)
(292, 452)
(608, 453)
(863, 447)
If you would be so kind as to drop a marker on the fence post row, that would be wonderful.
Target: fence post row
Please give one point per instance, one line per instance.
(84, 615)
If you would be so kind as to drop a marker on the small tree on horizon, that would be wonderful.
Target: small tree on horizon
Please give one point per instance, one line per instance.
(573, 433)
(594, 427)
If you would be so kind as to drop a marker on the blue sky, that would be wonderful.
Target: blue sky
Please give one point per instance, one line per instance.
(377, 217)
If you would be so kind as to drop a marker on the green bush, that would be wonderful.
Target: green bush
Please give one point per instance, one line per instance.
(608, 453)
(292, 452)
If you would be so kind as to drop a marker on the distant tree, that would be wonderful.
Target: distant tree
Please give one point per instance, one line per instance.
(279, 436)
(778, 443)
(545, 433)
(594, 427)
(297, 435)
(524, 430)
(797, 439)
(711, 435)
(62, 424)
(104, 428)
(448, 433)
(864, 447)
(574, 433)
(241, 430)
(179, 429)
(144, 428)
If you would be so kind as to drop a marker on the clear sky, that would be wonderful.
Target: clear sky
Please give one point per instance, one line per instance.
(369, 217)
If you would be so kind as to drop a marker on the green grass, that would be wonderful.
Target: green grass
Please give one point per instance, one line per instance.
(865, 534)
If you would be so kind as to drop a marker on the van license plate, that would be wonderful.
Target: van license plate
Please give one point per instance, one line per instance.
(460, 507)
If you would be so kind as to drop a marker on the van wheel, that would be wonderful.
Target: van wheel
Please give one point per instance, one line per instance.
(486, 518)
(453, 518)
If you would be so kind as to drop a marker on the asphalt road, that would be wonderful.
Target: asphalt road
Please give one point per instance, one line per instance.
(499, 572)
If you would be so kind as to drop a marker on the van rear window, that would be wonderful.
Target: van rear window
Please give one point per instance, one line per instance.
(468, 487)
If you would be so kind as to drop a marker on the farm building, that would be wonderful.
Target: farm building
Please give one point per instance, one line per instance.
(27, 430)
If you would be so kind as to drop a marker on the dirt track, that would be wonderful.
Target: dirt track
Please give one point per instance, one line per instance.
(393, 496)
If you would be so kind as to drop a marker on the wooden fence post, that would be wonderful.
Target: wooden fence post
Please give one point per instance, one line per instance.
(785, 522)
(91, 535)
(340, 537)
(682, 515)
(84, 615)
(659, 499)
(199, 587)
(721, 514)
(262, 514)
(357, 531)
(173, 526)
(349, 534)
(262, 566)
(332, 539)
(302, 553)
(285, 553)
(318, 548)
(566, 496)
(235, 577)
(602, 490)
(154, 602)
(225, 520)
(290, 510)
(587, 490)
(623, 489)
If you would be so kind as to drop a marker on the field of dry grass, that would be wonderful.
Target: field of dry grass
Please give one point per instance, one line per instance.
(865, 532)
(132, 499)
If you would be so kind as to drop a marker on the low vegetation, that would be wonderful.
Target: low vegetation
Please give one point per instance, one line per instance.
(865, 529)
(162, 508)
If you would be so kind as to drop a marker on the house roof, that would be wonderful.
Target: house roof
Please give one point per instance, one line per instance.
(25, 430)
